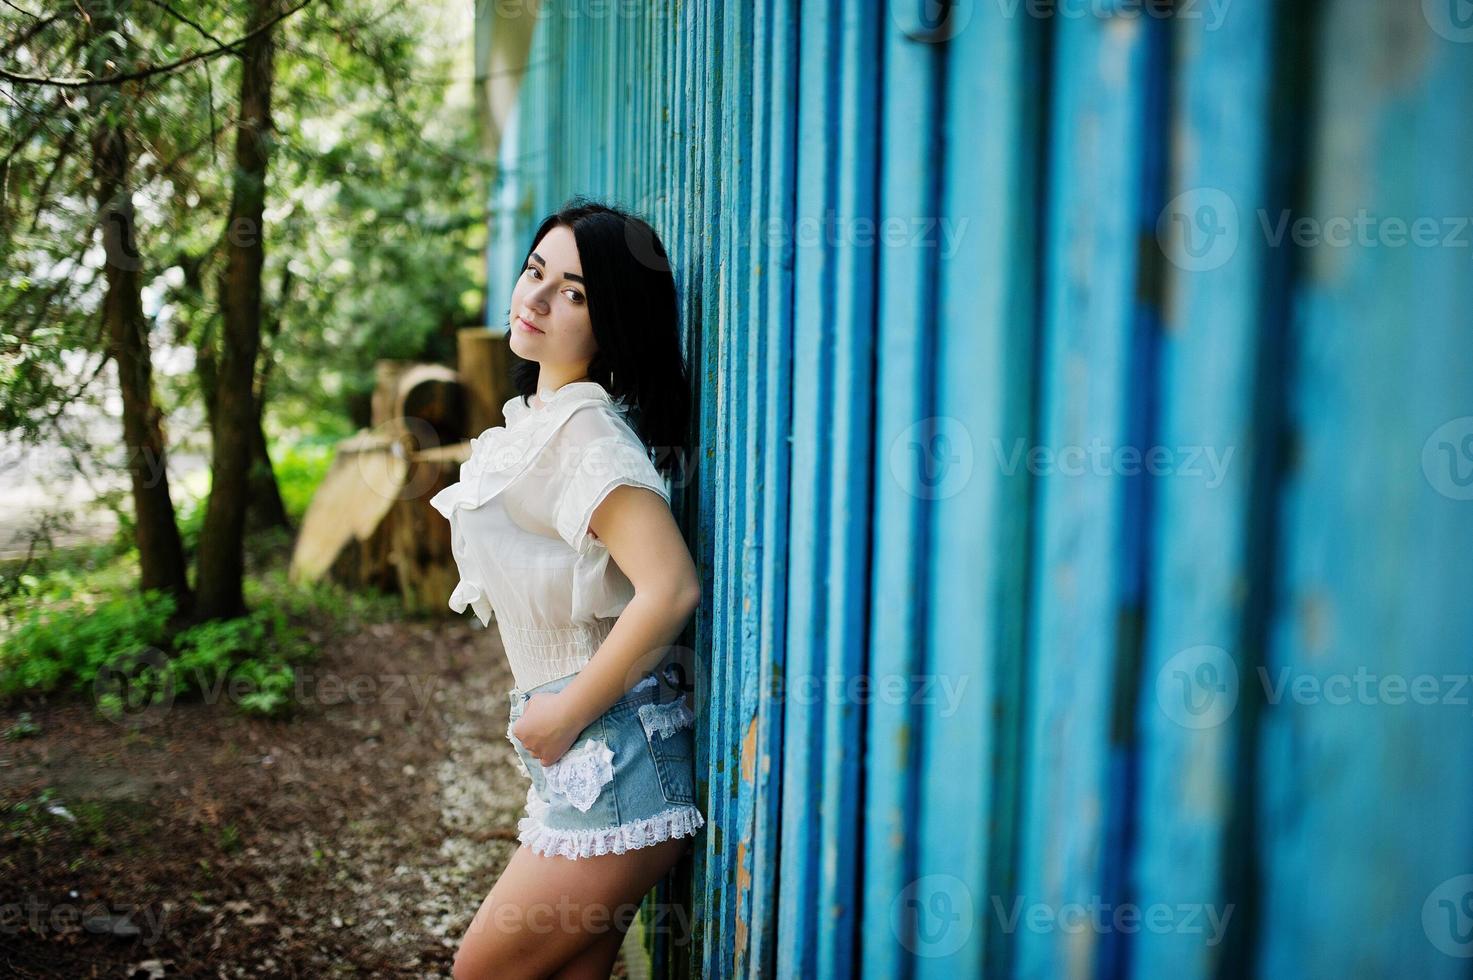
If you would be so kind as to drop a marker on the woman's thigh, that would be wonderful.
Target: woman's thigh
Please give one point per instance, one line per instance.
(543, 911)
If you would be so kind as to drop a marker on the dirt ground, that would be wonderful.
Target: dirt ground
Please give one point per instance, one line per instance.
(355, 838)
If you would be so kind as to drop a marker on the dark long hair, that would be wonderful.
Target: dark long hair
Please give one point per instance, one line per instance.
(636, 322)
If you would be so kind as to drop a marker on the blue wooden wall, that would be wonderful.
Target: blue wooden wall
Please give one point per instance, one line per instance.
(1098, 385)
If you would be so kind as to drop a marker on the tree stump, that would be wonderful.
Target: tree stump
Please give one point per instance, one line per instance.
(485, 361)
(420, 537)
(343, 532)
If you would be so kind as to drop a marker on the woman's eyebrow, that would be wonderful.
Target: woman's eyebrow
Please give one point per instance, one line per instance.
(566, 275)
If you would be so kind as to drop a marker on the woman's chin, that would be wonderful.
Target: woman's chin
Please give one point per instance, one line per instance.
(520, 346)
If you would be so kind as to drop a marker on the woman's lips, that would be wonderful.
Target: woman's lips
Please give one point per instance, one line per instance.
(528, 327)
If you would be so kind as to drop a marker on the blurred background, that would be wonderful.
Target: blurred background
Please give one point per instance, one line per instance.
(1084, 492)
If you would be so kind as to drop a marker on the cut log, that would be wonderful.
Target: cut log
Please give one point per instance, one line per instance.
(431, 402)
(420, 537)
(343, 532)
(370, 522)
(485, 361)
(386, 375)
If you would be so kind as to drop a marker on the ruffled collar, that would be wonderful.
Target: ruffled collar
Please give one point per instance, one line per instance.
(574, 391)
(502, 452)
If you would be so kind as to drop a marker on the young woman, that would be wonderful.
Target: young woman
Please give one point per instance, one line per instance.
(561, 523)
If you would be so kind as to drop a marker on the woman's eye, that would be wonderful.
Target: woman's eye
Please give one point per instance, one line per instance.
(573, 295)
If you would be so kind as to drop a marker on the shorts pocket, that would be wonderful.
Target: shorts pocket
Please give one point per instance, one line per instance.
(669, 733)
(518, 753)
(521, 757)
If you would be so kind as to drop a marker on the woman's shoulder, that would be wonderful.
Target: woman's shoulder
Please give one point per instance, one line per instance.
(513, 408)
(593, 420)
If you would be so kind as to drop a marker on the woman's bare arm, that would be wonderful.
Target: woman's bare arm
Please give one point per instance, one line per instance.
(637, 527)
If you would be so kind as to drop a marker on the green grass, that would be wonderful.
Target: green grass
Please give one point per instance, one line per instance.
(76, 622)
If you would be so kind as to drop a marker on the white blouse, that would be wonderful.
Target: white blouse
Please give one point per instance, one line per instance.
(519, 527)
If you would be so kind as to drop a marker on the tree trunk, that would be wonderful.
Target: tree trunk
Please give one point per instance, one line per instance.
(222, 539)
(267, 509)
(160, 547)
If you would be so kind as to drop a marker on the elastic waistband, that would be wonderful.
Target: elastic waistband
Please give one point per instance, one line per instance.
(542, 655)
(646, 689)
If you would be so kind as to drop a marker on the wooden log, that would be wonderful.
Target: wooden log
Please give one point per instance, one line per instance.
(342, 533)
(385, 404)
(485, 361)
(431, 406)
(420, 554)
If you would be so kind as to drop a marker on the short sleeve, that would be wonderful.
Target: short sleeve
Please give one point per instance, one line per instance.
(596, 469)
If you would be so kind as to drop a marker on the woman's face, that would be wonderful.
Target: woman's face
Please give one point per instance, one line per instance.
(549, 305)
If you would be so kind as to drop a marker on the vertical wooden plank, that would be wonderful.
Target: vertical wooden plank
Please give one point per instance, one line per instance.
(702, 263)
(741, 319)
(906, 324)
(813, 329)
(1082, 581)
(1368, 764)
(776, 67)
(849, 390)
(969, 372)
(1206, 566)
(723, 253)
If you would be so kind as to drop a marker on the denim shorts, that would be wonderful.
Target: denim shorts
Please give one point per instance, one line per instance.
(627, 781)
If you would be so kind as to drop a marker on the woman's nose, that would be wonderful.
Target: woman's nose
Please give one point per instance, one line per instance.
(539, 299)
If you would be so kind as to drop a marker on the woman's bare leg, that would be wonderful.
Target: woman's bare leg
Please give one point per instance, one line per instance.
(544, 911)
(596, 960)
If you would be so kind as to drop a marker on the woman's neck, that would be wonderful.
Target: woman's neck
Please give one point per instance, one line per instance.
(548, 383)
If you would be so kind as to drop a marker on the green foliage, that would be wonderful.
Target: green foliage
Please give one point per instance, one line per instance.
(300, 468)
(63, 645)
(375, 209)
(77, 640)
(24, 727)
(247, 659)
(374, 232)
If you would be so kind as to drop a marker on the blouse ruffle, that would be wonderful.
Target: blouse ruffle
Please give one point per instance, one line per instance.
(578, 473)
